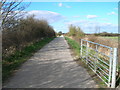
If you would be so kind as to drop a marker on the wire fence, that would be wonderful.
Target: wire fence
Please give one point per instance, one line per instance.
(101, 59)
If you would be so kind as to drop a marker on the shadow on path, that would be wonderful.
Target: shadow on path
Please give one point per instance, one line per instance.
(51, 67)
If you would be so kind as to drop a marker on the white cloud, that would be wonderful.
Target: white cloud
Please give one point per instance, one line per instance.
(51, 17)
(68, 6)
(86, 23)
(91, 16)
(89, 26)
(116, 8)
(105, 24)
(79, 22)
(105, 19)
(112, 13)
(63, 5)
(60, 4)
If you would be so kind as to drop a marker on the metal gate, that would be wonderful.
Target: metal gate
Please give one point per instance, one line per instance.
(101, 59)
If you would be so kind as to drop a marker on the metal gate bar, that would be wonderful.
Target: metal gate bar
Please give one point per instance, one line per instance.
(102, 64)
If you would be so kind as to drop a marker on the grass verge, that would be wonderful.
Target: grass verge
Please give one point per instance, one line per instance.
(10, 64)
(75, 46)
(111, 37)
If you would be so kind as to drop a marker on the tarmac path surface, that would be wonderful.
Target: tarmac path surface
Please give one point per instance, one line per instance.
(51, 67)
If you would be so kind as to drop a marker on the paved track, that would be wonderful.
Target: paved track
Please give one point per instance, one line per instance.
(51, 67)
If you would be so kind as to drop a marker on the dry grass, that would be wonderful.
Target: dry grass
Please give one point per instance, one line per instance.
(26, 32)
(108, 42)
(105, 41)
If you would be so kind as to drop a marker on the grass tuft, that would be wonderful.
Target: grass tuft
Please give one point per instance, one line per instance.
(74, 45)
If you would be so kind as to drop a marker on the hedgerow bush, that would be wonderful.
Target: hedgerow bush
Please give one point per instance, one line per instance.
(24, 32)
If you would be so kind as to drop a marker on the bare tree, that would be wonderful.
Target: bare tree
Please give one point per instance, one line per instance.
(11, 9)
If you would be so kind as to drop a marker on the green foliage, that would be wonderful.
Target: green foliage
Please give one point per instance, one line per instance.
(72, 30)
(59, 33)
(75, 32)
(115, 38)
(75, 45)
(79, 32)
(12, 62)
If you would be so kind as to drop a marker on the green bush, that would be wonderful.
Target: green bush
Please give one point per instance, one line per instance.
(23, 33)
(75, 32)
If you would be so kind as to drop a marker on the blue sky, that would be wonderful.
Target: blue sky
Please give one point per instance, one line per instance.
(71, 0)
(86, 15)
